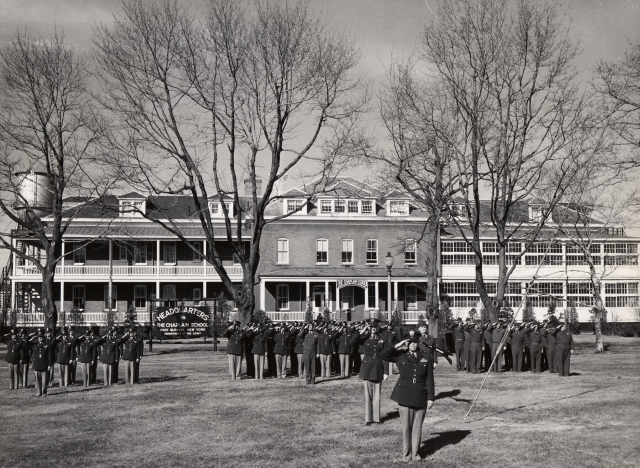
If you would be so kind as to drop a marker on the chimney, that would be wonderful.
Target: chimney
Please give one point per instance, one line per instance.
(248, 187)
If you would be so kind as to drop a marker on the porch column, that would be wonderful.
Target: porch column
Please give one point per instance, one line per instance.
(204, 259)
(395, 291)
(263, 301)
(366, 297)
(327, 294)
(308, 296)
(377, 283)
(62, 259)
(158, 292)
(64, 315)
(204, 289)
(158, 262)
(13, 294)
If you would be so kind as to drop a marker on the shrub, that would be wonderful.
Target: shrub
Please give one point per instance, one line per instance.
(473, 314)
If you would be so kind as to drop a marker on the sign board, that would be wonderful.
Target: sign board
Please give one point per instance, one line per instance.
(342, 283)
(183, 320)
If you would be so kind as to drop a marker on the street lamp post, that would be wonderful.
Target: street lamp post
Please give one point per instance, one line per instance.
(388, 261)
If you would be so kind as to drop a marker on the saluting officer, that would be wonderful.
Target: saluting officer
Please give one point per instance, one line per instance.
(259, 335)
(281, 349)
(87, 355)
(389, 337)
(535, 349)
(299, 350)
(234, 349)
(372, 373)
(346, 340)
(73, 362)
(41, 360)
(14, 355)
(25, 357)
(457, 329)
(64, 350)
(108, 356)
(310, 350)
(326, 351)
(414, 392)
(564, 349)
(476, 338)
(496, 346)
(51, 342)
(131, 354)
(517, 347)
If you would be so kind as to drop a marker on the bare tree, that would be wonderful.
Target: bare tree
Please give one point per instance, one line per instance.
(203, 103)
(48, 135)
(526, 126)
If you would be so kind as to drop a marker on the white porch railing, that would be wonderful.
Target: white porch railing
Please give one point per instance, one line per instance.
(286, 316)
(98, 318)
(129, 270)
(411, 316)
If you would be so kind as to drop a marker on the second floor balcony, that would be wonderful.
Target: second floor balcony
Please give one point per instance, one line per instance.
(128, 271)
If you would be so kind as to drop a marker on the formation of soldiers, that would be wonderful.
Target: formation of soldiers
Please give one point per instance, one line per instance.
(521, 347)
(42, 350)
(321, 349)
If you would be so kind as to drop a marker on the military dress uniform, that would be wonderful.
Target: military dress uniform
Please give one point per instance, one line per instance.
(299, 350)
(87, 355)
(413, 391)
(310, 349)
(475, 350)
(259, 349)
(389, 337)
(458, 337)
(281, 351)
(564, 347)
(372, 373)
(73, 363)
(108, 357)
(326, 345)
(517, 349)
(41, 361)
(235, 350)
(551, 350)
(25, 359)
(346, 341)
(535, 350)
(486, 334)
(64, 351)
(131, 354)
(13, 357)
(496, 347)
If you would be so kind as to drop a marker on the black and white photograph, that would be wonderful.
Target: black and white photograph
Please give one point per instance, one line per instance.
(320, 233)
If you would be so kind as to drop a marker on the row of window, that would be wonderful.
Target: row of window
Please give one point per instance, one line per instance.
(139, 294)
(539, 248)
(347, 258)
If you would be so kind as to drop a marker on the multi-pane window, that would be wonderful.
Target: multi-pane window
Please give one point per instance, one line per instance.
(367, 207)
(410, 247)
(340, 206)
(353, 206)
(114, 297)
(140, 296)
(371, 291)
(372, 251)
(197, 296)
(398, 208)
(580, 295)
(169, 253)
(140, 253)
(347, 251)
(217, 211)
(130, 208)
(537, 254)
(322, 251)
(283, 251)
(197, 253)
(411, 296)
(80, 254)
(326, 207)
(347, 297)
(169, 294)
(621, 254)
(282, 297)
(456, 247)
(621, 294)
(543, 294)
(78, 296)
(294, 205)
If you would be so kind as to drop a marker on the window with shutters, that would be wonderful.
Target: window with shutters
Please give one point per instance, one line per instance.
(79, 296)
(410, 247)
(140, 296)
(169, 253)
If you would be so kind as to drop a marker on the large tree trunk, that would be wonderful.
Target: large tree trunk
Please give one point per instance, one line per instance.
(48, 300)
(433, 300)
(599, 312)
(246, 298)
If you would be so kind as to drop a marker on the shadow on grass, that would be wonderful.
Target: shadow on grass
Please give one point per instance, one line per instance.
(571, 374)
(449, 394)
(80, 390)
(175, 351)
(390, 416)
(441, 440)
(149, 380)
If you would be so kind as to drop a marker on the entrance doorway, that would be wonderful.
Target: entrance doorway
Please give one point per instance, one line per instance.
(318, 298)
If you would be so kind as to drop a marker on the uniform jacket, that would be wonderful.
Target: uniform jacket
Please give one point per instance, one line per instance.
(389, 337)
(326, 342)
(517, 338)
(551, 337)
(25, 355)
(235, 342)
(496, 335)
(64, 350)
(311, 343)
(543, 334)
(41, 357)
(486, 334)
(346, 341)
(259, 342)
(299, 346)
(131, 350)
(109, 351)
(535, 337)
(564, 338)
(87, 351)
(425, 343)
(372, 367)
(14, 352)
(281, 342)
(476, 336)
(415, 385)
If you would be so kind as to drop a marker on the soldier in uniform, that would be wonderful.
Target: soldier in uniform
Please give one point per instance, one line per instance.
(310, 350)
(536, 349)
(457, 329)
(496, 346)
(73, 362)
(41, 360)
(517, 347)
(389, 337)
(544, 363)
(281, 349)
(372, 373)
(476, 338)
(108, 356)
(25, 358)
(87, 355)
(14, 355)
(414, 392)
(527, 348)
(64, 349)
(551, 348)
(234, 349)
(564, 349)
(247, 343)
(326, 345)
(259, 335)
(131, 354)
(486, 334)
(345, 342)
(51, 342)
(299, 350)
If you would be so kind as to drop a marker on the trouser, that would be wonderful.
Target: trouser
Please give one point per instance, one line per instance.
(73, 367)
(52, 371)
(86, 367)
(106, 371)
(136, 371)
(527, 358)
(411, 420)
(544, 364)
(517, 352)
(271, 364)
(14, 376)
(508, 357)
(114, 372)
(355, 362)
(487, 356)
(563, 360)
(309, 359)
(372, 400)
(344, 365)
(25, 374)
(64, 375)
(130, 367)
(293, 359)
(467, 354)
(476, 357)
(281, 365)
(251, 368)
(301, 367)
(235, 366)
(496, 353)
(459, 348)
(92, 372)
(42, 379)
(258, 366)
(325, 365)
(536, 356)
(551, 355)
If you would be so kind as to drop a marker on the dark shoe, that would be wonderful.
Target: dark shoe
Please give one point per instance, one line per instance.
(367, 424)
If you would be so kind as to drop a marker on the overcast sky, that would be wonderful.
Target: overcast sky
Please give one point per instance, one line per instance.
(382, 28)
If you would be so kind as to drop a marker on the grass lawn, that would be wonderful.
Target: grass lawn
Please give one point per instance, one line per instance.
(187, 412)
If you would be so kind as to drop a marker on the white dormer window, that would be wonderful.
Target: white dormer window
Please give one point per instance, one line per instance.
(353, 207)
(296, 206)
(398, 208)
(367, 207)
(132, 208)
(536, 213)
(216, 210)
(340, 207)
(326, 207)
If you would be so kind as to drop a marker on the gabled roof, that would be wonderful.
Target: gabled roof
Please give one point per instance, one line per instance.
(294, 192)
(132, 195)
